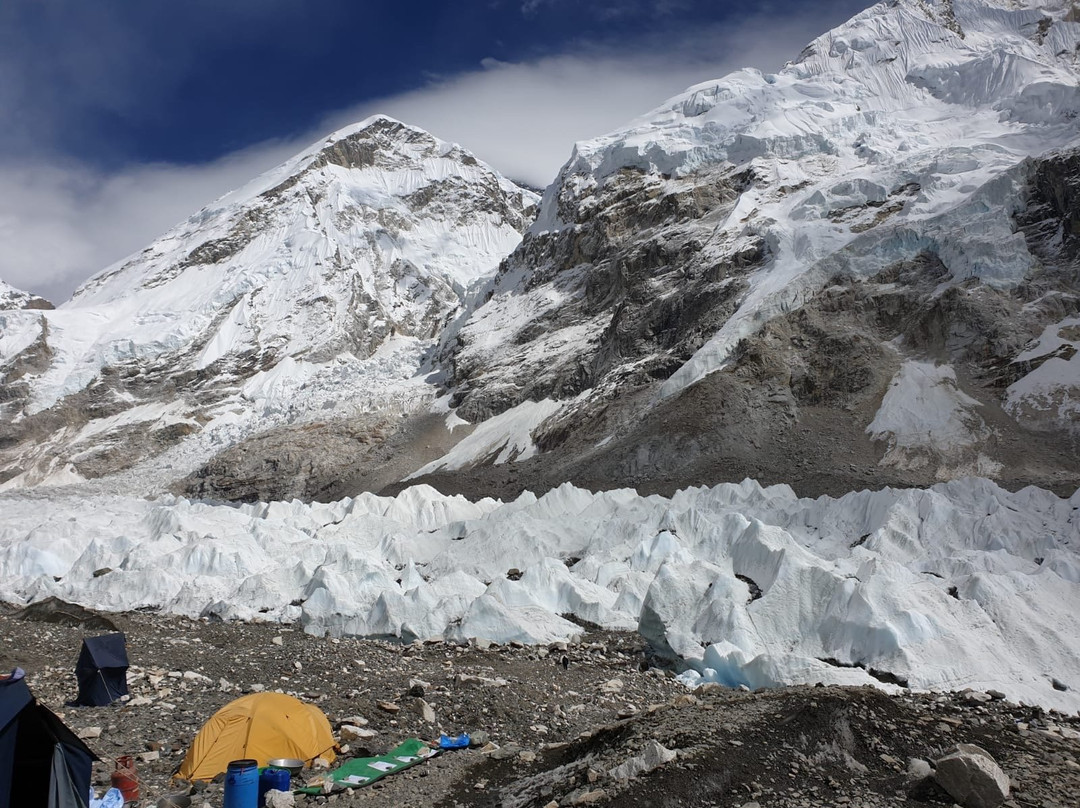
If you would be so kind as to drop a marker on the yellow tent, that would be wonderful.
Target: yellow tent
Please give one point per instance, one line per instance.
(259, 726)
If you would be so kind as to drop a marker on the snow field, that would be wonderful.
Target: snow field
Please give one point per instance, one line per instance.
(1054, 385)
(294, 269)
(961, 585)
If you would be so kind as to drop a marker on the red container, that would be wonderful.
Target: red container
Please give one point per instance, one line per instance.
(125, 779)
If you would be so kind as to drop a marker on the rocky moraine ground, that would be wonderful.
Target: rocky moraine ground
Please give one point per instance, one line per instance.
(610, 727)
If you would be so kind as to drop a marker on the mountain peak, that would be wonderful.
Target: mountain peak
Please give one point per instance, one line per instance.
(352, 254)
(12, 298)
(932, 141)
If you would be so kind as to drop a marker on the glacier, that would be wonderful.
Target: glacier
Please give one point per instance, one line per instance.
(961, 585)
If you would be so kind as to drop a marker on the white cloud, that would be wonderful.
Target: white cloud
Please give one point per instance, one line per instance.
(61, 222)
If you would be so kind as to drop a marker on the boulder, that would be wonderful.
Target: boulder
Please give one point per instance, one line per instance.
(612, 686)
(652, 757)
(424, 710)
(350, 732)
(279, 799)
(972, 777)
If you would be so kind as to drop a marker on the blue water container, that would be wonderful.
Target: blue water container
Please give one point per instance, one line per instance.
(242, 784)
(276, 779)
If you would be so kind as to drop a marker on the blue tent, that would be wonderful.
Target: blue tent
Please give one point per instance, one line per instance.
(102, 670)
(42, 762)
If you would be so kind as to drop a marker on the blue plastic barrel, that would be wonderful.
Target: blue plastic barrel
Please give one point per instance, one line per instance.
(272, 778)
(242, 784)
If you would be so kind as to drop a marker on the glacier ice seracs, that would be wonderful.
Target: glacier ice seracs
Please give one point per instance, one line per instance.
(961, 585)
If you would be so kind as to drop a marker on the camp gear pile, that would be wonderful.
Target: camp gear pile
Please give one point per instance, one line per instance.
(365, 771)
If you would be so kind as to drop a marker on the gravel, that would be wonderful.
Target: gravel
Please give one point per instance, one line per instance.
(545, 734)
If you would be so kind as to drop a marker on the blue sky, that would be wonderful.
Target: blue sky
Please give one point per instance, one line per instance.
(122, 117)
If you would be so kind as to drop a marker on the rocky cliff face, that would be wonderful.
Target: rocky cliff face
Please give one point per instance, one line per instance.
(860, 269)
(313, 289)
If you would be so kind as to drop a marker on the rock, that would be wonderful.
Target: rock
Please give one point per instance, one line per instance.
(972, 777)
(590, 797)
(505, 752)
(1057, 684)
(653, 756)
(278, 640)
(350, 732)
(919, 769)
(627, 711)
(612, 686)
(481, 643)
(418, 687)
(708, 688)
(89, 733)
(388, 706)
(997, 695)
(479, 738)
(424, 710)
(279, 799)
(256, 688)
(139, 701)
(469, 679)
(149, 757)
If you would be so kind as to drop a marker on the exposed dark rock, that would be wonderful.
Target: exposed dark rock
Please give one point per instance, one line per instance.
(61, 613)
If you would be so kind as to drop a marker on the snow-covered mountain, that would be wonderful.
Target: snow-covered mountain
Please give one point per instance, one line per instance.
(859, 271)
(12, 298)
(328, 274)
(860, 268)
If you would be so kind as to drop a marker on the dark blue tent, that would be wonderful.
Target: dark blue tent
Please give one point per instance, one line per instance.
(42, 762)
(102, 670)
